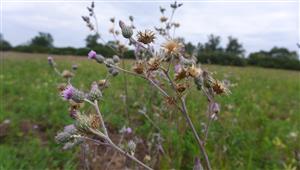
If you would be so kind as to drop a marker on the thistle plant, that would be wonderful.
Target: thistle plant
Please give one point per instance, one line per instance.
(168, 69)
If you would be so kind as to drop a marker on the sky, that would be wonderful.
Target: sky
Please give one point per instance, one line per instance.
(259, 25)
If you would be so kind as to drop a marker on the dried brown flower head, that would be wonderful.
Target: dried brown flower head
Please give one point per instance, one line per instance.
(61, 87)
(181, 74)
(146, 37)
(172, 47)
(111, 30)
(176, 24)
(138, 67)
(102, 83)
(180, 87)
(154, 63)
(163, 19)
(95, 121)
(219, 87)
(170, 100)
(194, 71)
(67, 74)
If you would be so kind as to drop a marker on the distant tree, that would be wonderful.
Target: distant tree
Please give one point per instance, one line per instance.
(42, 40)
(92, 40)
(4, 45)
(213, 44)
(189, 48)
(234, 47)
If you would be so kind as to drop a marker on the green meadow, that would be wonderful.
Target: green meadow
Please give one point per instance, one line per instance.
(258, 127)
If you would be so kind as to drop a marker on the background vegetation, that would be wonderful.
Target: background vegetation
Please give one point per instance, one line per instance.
(258, 127)
(210, 52)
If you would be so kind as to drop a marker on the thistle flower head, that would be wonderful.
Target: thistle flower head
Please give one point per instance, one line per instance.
(146, 37)
(214, 107)
(181, 74)
(154, 63)
(72, 93)
(109, 62)
(220, 88)
(85, 122)
(172, 47)
(68, 92)
(113, 71)
(138, 67)
(92, 54)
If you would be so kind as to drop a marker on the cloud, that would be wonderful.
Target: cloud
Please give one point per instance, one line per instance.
(256, 25)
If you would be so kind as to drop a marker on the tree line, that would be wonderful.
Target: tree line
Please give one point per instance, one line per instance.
(210, 52)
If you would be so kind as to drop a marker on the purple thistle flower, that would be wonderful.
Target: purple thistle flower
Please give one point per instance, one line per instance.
(68, 92)
(51, 61)
(129, 130)
(177, 68)
(92, 54)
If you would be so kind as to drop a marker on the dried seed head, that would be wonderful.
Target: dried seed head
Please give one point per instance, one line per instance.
(111, 30)
(220, 88)
(170, 100)
(112, 20)
(131, 147)
(146, 37)
(67, 74)
(172, 47)
(181, 74)
(85, 122)
(154, 63)
(61, 87)
(176, 24)
(180, 87)
(194, 71)
(102, 83)
(163, 19)
(138, 67)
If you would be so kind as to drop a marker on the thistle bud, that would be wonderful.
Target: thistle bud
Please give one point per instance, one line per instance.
(113, 71)
(116, 58)
(66, 135)
(74, 67)
(70, 145)
(85, 122)
(127, 31)
(99, 58)
(131, 147)
(51, 61)
(214, 107)
(199, 82)
(109, 62)
(95, 93)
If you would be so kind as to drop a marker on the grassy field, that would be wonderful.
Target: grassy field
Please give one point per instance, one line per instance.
(258, 128)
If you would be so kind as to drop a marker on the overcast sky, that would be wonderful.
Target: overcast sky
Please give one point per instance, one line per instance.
(258, 25)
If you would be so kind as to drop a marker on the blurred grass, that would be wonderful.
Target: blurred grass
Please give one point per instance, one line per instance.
(255, 130)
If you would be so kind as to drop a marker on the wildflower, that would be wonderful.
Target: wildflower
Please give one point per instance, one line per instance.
(146, 37)
(71, 93)
(138, 67)
(172, 47)
(126, 30)
(154, 63)
(68, 92)
(92, 54)
(95, 93)
(116, 58)
(194, 71)
(163, 19)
